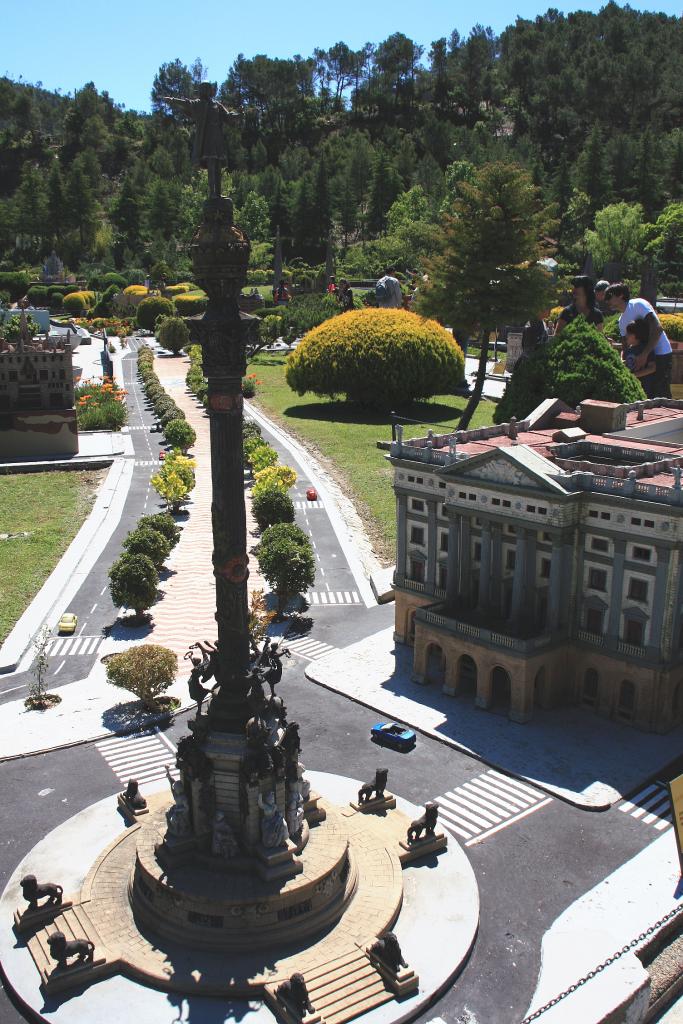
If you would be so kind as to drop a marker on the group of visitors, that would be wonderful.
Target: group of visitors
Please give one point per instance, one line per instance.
(646, 350)
(342, 292)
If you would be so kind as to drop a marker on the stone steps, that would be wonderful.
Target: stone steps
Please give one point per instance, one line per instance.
(74, 923)
(346, 988)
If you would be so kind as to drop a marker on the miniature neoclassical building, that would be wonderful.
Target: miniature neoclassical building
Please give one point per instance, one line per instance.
(539, 563)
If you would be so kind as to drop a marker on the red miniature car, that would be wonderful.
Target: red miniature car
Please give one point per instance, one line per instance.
(162, 456)
(312, 494)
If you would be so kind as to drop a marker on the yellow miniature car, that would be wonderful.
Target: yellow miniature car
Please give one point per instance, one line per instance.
(68, 623)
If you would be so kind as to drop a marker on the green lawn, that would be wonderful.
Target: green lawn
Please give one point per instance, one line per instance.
(51, 508)
(347, 436)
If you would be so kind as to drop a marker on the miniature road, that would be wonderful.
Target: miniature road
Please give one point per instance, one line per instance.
(528, 871)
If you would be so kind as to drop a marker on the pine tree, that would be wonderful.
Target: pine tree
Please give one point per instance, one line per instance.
(56, 203)
(384, 188)
(591, 171)
(31, 203)
(321, 211)
(347, 208)
(486, 271)
(81, 204)
(126, 214)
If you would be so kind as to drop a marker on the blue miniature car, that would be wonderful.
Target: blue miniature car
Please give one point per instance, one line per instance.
(390, 734)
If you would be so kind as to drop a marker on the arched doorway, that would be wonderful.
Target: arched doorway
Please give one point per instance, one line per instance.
(466, 685)
(589, 691)
(501, 688)
(539, 688)
(436, 665)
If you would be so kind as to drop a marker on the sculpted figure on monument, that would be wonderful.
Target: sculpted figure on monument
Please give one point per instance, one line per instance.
(223, 842)
(269, 662)
(200, 668)
(178, 816)
(273, 825)
(209, 150)
(133, 796)
(32, 890)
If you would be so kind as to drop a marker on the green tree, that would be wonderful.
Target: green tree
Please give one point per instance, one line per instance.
(618, 236)
(31, 204)
(133, 583)
(385, 187)
(411, 206)
(163, 523)
(81, 204)
(180, 434)
(486, 272)
(38, 698)
(56, 203)
(145, 541)
(666, 244)
(286, 560)
(146, 671)
(272, 505)
(172, 334)
(126, 214)
(254, 217)
(591, 171)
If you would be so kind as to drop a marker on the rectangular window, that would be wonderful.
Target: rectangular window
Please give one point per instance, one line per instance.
(510, 529)
(605, 515)
(462, 494)
(419, 480)
(418, 505)
(13, 375)
(477, 552)
(649, 523)
(637, 590)
(417, 535)
(545, 568)
(417, 570)
(506, 503)
(594, 617)
(442, 486)
(531, 508)
(636, 521)
(443, 544)
(633, 632)
(597, 579)
(495, 501)
(542, 511)
(593, 514)
(472, 497)
(642, 554)
(411, 479)
(443, 577)
(599, 544)
(546, 537)
(443, 511)
(510, 558)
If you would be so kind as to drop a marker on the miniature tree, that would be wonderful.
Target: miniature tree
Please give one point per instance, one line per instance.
(172, 334)
(162, 522)
(146, 541)
(272, 505)
(285, 557)
(170, 486)
(38, 698)
(283, 477)
(147, 671)
(180, 434)
(133, 582)
(259, 618)
(487, 270)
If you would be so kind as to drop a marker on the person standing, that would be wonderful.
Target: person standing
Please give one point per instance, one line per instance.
(281, 295)
(582, 304)
(345, 296)
(388, 291)
(618, 298)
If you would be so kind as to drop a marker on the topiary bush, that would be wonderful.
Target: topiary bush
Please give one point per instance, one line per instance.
(272, 505)
(14, 282)
(286, 560)
(146, 671)
(178, 289)
(378, 358)
(261, 457)
(56, 300)
(150, 309)
(180, 434)
(191, 304)
(133, 582)
(283, 477)
(112, 278)
(146, 541)
(579, 363)
(672, 325)
(74, 303)
(38, 295)
(164, 523)
(172, 334)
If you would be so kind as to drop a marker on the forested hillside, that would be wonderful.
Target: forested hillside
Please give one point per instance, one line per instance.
(364, 148)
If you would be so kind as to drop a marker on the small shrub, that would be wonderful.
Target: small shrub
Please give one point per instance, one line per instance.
(135, 289)
(180, 434)
(285, 558)
(672, 325)
(74, 303)
(38, 296)
(178, 289)
(146, 671)
(249, 385)
(100, 406)
(283, 477)
(190, 305)
(146, 541)
(133, 582)
(172, 334)
(272, 505)
(56, 300)
(150, 309)
(171, 414)
(163, 523)
(378, 358)
(250, 429)
(14, 282)
(262, 457)
(113, 279)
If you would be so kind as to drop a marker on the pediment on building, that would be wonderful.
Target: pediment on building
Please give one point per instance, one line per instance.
(517, 466)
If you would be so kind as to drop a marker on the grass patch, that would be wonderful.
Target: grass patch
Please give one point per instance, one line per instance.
(50, 507)
(346, 436)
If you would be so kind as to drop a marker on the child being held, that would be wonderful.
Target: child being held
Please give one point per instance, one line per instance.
(635, 341)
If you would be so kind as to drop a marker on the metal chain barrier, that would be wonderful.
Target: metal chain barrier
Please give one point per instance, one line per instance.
(610, 960)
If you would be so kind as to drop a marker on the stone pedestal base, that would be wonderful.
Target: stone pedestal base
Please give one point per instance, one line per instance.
(176, 850)
(58, 980)
(430, 844)
(312, 812)
(284, 1010)
(402, 982)
(376, 805)
(278, 863)
(28, 920)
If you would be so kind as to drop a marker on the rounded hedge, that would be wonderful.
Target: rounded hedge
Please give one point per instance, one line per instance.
(56, 300)
(190, 305)
(381, 358)
(74, 303)
(37, 295)
(150, 309)
(272, 505)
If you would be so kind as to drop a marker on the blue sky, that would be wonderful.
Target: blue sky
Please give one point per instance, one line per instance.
(119, 46)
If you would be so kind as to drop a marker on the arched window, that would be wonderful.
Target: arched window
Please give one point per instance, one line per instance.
(627, 699)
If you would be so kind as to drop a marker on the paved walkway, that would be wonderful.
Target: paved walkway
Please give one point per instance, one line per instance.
(186, 612)
(584, 759)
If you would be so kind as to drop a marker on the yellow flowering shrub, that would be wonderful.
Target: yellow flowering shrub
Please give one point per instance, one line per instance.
(380, 358)
(190, 304)
(672, 324)
(178, 289)
(135, 289)
(283, 477)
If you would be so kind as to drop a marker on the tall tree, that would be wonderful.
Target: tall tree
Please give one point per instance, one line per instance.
(56, 203)
(31, 204)
(385, 186)
(486, 271)
(81, 204)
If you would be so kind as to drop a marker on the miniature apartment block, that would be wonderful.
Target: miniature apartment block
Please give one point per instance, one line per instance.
(538, 563)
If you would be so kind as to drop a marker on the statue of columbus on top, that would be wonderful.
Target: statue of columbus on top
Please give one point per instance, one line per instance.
(209, 116)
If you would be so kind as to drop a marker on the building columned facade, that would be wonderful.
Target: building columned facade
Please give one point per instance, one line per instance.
(539, 563)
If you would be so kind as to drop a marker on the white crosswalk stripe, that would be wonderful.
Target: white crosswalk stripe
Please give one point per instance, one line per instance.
(74, 645)
(333, 597)
(146, 462)
(486, 804)
(308, 648)
(651, 806)
(308, 504)
(144, 756)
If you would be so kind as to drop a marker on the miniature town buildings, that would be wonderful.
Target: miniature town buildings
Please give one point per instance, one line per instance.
(37, 415)
(539, 563)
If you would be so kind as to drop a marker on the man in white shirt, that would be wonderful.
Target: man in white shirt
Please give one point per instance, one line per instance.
(618, 298)
(388, 291)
